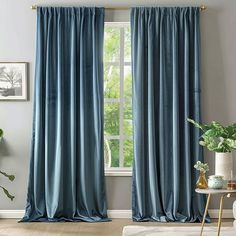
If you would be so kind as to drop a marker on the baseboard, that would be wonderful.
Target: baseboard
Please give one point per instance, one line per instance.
(17, 214)
(11, 214)
(227, 213)
(120, 214)
(214, 213)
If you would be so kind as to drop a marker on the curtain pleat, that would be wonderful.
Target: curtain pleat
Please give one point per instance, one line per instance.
(166, 91)
(66, 180)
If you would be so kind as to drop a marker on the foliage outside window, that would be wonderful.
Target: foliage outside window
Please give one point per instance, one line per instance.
(118, 146)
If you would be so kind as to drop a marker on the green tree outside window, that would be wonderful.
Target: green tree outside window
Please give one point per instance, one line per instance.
(118, 96)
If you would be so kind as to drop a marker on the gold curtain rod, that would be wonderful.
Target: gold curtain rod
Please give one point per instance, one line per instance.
(202, 8)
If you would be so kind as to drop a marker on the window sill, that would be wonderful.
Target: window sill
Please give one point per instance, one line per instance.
(118, 172)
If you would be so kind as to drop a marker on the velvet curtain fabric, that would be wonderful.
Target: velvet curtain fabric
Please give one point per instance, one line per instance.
(66, 180)
(166, 91)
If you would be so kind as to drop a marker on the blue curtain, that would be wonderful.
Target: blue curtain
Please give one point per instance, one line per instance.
(166, 91)
(66, 180)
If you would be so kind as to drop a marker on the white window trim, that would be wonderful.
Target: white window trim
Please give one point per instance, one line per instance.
(117, 24)
(115, 100)
(114, 63)
(119, 171)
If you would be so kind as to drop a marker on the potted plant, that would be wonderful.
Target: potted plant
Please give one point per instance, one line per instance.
(10, 177)
(221, 140)
(203, 168)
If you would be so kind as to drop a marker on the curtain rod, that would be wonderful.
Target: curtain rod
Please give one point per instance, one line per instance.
(202, 8)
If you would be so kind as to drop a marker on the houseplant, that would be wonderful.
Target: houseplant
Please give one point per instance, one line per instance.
(221, 140)
(10, 177)
(202, 168)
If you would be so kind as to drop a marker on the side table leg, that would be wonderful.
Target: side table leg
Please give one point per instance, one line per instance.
(220, 214)
(205, 213)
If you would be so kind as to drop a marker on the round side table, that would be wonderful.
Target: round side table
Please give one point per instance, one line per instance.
(223, 193)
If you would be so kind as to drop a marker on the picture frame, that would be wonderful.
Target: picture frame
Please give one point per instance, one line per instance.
(13, 81)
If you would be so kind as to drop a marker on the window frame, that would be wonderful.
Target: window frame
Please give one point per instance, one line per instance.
(119, 171)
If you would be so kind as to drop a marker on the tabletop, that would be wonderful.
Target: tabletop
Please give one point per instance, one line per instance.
(214, 191)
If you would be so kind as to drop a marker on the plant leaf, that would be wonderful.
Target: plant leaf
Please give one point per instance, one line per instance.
(220, 131)
(231, 143)
(232, 131)
(202, 143)
(211, 133)
(197, 125)
(1, 133)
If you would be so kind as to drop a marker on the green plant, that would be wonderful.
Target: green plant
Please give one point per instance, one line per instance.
(202, 167)
(1, 133)
(216, 137)
(10, 177)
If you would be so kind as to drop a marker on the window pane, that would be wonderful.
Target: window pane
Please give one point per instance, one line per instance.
(128, 126)
(111, 81)
(117, 97)
(112, 44)
(111, 153)
(128, 153)
(127, 44)
(111, 118)
(127, 82)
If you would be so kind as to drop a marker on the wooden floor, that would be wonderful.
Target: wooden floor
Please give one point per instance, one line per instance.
(10, 227)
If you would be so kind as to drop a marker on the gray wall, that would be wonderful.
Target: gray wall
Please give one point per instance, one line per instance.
(17, 43)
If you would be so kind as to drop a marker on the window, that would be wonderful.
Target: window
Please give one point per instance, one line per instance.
(118, 141)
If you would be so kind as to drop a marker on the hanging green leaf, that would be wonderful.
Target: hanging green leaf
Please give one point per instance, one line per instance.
(195, 123)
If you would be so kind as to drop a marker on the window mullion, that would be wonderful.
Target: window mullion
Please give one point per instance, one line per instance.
(121, 127)
(111, 100)
(112, 137)
(113, 63)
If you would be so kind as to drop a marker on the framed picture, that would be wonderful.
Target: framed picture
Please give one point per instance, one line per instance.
(13, 81)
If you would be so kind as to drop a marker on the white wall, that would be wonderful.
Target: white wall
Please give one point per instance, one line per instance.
(17, 43)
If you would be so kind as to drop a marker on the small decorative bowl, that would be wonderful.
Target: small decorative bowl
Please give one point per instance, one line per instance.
(215, 182)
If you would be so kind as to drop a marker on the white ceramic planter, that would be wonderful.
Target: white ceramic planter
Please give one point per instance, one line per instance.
(224, 164)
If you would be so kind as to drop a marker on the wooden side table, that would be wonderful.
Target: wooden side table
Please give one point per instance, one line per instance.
(223, 193)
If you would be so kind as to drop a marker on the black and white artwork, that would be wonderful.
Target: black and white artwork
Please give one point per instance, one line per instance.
(13, 81)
